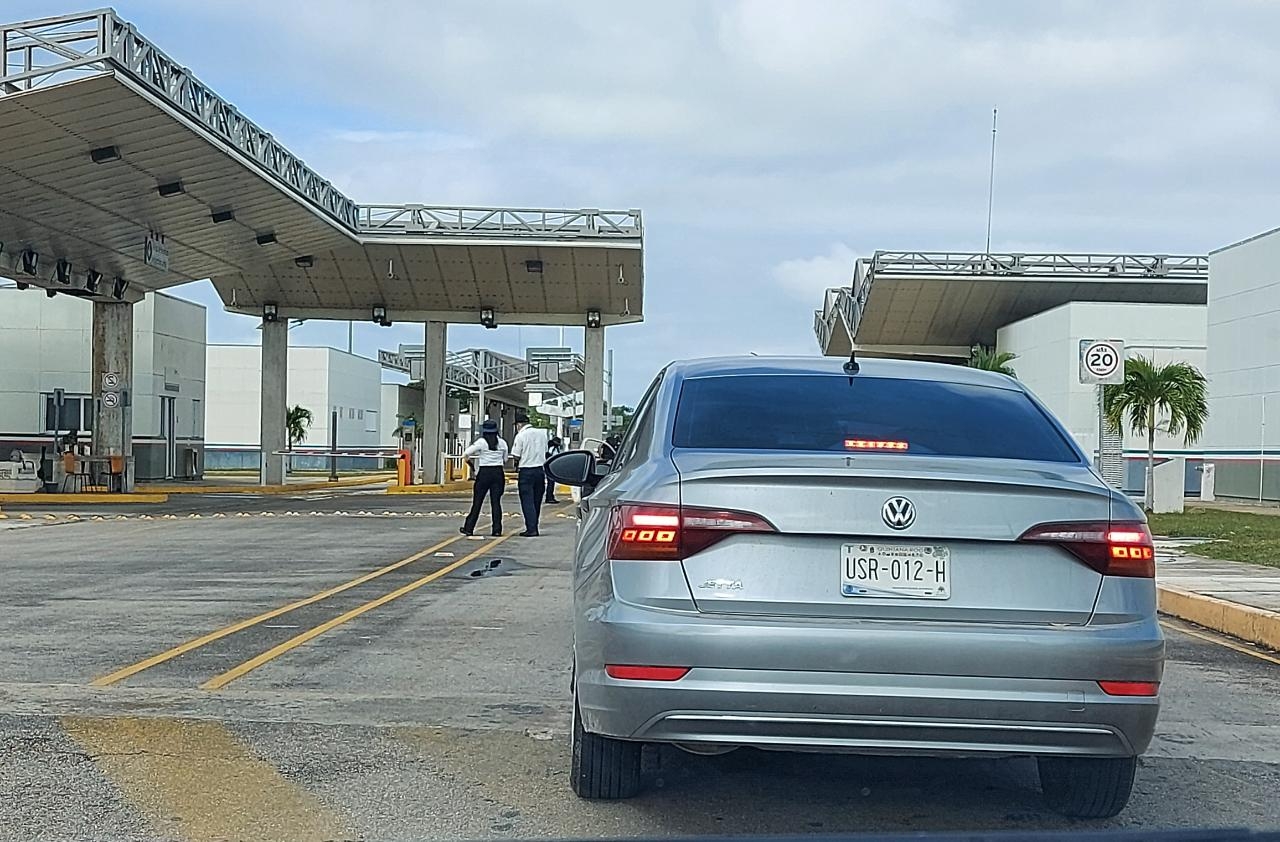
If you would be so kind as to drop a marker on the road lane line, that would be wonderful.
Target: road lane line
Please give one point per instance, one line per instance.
(194, 780)
(220, 681)
(169, 654)
(1221, 642)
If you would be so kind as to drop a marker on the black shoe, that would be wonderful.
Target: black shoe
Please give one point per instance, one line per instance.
(497, 534)
(553, 500)
(527, 534)
(465, 531)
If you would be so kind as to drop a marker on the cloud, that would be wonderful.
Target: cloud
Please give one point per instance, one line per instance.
(808, 277)
(757, 135)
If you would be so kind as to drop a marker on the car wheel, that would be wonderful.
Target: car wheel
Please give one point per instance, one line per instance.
(1087, 787)
(603, 768)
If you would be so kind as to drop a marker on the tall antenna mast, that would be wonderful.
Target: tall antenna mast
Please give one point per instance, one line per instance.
(991, 182)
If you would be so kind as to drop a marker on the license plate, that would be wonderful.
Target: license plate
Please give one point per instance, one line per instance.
(895, 571)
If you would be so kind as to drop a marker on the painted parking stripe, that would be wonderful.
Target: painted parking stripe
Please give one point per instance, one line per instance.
(169, 654)
(220, 681)
(1221, 641)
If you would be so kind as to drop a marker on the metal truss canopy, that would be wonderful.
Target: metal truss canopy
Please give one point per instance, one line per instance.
(242, 210)
(945, 300)
(505, 378)
(50, 51)
(390, 220)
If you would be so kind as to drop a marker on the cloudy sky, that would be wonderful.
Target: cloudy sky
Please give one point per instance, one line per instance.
(768, 143)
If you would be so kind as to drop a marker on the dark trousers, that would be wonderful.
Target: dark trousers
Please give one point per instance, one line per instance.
(490, 480)
(532, 484)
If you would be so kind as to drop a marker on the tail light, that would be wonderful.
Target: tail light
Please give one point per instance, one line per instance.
(1118, 548)
(672, 533)
(628, 672)
(1130, 688)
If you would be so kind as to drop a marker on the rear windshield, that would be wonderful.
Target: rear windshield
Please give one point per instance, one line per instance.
(874, 414)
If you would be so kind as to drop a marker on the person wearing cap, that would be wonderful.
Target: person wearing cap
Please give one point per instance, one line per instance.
(489, 455)
(530, 452)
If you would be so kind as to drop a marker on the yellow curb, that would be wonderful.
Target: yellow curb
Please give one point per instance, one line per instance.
(1255, 625)
(446, 488)
(289, 488)
(84, 498)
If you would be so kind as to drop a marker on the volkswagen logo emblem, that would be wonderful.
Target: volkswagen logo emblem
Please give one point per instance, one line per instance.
(898, 512)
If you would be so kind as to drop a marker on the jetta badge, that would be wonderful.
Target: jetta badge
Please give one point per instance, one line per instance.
(898, 512)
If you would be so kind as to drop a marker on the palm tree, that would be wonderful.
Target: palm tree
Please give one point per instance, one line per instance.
(296, 425)
(1168, 397)
(989, 359)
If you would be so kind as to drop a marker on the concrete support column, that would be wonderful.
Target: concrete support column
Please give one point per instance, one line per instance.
(113, 383)
(480, 359)
(275, 409)
(593, 383)
(434, 406)
(508, 422)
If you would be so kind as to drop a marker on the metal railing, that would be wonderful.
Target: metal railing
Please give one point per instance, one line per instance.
(839, 310)
(882, 263)
(541, 222)
(822, 328)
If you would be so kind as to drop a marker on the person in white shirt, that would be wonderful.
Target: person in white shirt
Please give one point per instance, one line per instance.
(489, 455)
(530, 452)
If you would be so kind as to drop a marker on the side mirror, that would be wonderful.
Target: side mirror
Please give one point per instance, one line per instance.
(573, 467)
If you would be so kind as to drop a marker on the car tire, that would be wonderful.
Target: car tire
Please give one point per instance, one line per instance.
(1087, 787)
(602, 767)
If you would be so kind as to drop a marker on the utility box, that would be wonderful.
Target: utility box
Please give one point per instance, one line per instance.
(18, 475)
(1169, 486)
(1207, 476)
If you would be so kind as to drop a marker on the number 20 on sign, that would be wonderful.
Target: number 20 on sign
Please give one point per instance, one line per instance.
(1101, 361)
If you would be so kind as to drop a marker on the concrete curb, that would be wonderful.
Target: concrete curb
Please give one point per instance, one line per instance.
(84, 499)
(288, 488)
(446, 488)
(1255, 625)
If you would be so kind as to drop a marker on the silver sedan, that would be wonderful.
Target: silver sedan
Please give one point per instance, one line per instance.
(885, 558)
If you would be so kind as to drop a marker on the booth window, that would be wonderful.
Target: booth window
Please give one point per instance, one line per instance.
(77, 413)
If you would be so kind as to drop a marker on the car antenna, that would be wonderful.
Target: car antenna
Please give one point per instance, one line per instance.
(851, 367)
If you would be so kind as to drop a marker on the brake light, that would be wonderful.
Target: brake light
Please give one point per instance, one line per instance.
(1113, 549)
(1130, 688)
(671, 533)
(874, 444)
(634, 673)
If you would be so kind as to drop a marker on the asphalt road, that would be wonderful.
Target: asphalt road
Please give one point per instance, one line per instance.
(426, 696)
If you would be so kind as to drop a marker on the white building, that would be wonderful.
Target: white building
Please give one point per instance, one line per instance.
(1243, 432)
(45, 345)
(1048, 349)
(321, 379)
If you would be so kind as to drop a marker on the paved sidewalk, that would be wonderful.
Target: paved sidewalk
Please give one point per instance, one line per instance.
(1239, 599)
(1235, 581)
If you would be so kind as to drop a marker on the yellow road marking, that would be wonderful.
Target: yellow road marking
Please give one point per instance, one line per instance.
(1221, 642)
(294, 642)
(195, 781)
(169, 654)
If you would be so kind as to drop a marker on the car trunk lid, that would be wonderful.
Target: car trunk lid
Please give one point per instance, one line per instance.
(960, 547)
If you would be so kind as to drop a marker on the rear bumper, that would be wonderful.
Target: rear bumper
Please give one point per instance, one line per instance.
(871, 687)
(870, 713)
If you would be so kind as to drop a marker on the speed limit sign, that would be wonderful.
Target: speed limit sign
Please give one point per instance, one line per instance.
(1101, 361)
